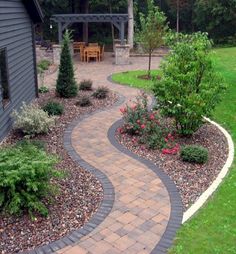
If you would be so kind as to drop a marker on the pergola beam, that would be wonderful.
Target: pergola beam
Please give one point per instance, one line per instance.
(64, 20)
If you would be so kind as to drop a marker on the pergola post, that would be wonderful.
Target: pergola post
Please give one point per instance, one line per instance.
(60, 32)
(122, 33)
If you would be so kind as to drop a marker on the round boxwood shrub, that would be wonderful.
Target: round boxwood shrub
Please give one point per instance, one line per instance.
(101, 92)
(194, 154)
(86, 85)
(53, 108)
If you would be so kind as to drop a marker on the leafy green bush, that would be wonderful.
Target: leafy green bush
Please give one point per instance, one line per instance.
(40, 144)
(86, 85)
(84, 101)
(44, 64)
(25, 177)
(66, 85)
(194, 154)
(32, 120)
(189, 88)
(53, 108)
(101, 92)
(43, 89)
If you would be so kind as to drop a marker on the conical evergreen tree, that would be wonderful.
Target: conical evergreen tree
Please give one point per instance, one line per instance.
(66, 85)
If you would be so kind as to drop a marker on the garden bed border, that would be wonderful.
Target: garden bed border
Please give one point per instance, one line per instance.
(213, 187)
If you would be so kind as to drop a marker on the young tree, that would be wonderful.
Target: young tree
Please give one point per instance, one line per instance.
(131, 23)
(66, 85)
(152, 29)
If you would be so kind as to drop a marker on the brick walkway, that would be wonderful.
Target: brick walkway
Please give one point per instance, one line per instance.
(142, 208)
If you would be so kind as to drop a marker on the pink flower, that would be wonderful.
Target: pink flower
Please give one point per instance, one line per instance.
(152, 116)
(138, 121)
(134, 107)
(143, 126)
(134, 140)
(172, 151)
(120, 130)
(123, 110)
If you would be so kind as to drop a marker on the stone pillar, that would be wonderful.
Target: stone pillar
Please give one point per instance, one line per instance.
(56, 49)
(122, 53)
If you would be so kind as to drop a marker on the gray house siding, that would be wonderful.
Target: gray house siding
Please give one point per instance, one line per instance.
(16, 37)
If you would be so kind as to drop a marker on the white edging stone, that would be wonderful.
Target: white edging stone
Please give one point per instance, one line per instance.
(205, 195)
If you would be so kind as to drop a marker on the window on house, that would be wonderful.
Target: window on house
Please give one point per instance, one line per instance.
(4, 82)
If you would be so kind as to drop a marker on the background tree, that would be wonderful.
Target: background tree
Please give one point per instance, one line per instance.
(66, 85)
(177, 6)
(152, 29)
(218, 18)
(131, 23)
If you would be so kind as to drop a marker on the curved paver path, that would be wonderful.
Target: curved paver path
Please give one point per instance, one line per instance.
(142, 207)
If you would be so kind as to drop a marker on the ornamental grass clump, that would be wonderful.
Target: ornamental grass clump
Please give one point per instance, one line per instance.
(25, 179)
(66, 85)
(189, 88)
(32, 120)
(101, 92)
(86, 85)
(84, 101)
(194, 154)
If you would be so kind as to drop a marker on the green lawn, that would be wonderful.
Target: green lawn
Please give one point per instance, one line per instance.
(131, 78)
(213, 229)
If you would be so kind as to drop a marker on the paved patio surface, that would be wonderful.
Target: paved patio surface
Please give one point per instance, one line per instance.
(142, 207)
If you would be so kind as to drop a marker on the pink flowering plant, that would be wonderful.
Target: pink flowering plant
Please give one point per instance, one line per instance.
(171, 147)
(135, 116)
(146, 127)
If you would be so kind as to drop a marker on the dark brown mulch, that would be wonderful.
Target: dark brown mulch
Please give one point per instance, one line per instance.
(191, 179)
(80, 192)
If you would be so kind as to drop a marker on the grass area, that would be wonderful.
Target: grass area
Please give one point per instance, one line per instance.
(213, 229)
(131, 78)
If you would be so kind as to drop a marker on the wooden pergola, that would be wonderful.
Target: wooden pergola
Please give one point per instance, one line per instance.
(65, 20)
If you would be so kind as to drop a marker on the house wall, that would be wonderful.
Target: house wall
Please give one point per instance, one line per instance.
(16, 37)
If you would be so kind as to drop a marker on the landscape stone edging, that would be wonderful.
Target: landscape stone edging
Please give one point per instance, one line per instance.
(212, 188)
(108, 192)
(175, 199)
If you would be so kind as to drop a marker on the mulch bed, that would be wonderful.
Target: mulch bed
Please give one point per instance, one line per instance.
(191, 179)
(80, 192)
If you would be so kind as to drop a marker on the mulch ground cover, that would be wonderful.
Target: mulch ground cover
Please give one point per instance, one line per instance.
(191, 179)
(80, 192)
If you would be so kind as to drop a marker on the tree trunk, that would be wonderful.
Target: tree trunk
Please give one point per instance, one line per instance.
(177, 17)
(85, 9)
(149, 63)
(131, 23)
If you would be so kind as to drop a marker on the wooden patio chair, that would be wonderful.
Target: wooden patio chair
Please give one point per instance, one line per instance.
(76, 47)
(95, 44)
(102, 52)
(92, 54)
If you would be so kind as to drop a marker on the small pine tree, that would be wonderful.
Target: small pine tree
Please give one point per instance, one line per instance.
(66, 85)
